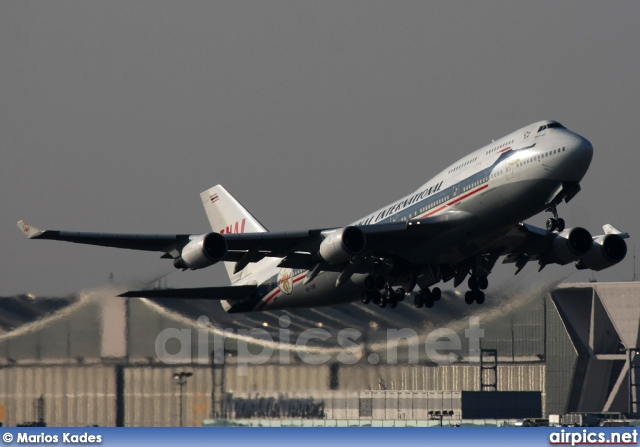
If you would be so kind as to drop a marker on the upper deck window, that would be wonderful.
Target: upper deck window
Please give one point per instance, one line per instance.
(553, 125)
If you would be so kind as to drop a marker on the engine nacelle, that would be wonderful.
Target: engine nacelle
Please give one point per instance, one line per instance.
(571, 244)
(606, 250)
(202, 251)
(342, 245)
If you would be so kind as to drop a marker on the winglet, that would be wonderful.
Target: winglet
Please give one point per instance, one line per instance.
(29, 230)
(610, 229)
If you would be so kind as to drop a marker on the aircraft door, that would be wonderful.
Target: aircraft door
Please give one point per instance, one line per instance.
(509, 172)
(455, 189)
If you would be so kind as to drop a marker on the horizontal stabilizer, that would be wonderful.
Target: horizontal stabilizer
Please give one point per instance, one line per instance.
(207, 293)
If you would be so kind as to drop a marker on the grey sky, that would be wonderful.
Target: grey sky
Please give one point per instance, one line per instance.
(115, 115)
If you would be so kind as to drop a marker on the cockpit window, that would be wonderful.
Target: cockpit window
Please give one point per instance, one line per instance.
(553, 125)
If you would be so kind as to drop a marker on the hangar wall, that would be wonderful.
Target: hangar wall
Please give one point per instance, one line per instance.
(86, 394)
(78, 368)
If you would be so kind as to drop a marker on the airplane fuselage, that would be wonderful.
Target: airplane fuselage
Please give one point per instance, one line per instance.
(487, 192)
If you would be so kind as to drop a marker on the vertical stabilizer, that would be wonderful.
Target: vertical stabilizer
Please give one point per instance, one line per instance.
(226, 215)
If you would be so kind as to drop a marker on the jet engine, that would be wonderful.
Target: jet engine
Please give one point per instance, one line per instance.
(202, 251)
(342, 245)
(571, 244)
(606, 250)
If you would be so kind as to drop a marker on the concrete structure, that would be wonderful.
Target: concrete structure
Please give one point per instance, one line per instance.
(592, 359)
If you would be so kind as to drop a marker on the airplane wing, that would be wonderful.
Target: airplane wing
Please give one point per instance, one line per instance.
(524, 243)
(167, 243)
(297, 248)
(272, 244)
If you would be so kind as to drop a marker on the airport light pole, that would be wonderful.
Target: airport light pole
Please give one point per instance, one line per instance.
(181, 379)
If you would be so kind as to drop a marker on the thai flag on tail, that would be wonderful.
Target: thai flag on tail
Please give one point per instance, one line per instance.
(213, 198)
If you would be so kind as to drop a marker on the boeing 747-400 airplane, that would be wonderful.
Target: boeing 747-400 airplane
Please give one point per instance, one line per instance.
(457, 225)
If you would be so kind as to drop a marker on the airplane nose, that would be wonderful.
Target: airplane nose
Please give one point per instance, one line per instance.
(581, 153)
(585, 148)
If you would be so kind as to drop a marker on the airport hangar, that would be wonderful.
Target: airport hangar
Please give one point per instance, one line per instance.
(91, 360)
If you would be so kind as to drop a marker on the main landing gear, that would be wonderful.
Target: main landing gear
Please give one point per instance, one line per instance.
(388, 296)
(426, 297)
(382, 295)
(477, 284)
(555, 223)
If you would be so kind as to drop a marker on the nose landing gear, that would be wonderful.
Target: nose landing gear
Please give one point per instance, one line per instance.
(554, 223)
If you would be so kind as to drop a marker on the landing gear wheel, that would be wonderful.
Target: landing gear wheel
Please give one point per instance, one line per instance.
(483, 283)
(479, 297)
(400, 294)
(473, 282)
(555, 224)
(428, 303)
(393, 303)
(436, 294)
(468, 297)
(389, 294)
(418, 301)
(365, 297)
(383, 302)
